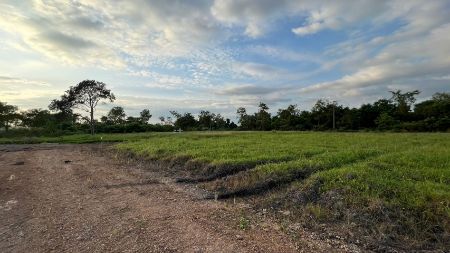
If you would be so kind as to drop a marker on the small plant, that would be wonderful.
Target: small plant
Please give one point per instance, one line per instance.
(244, 223)
(317, 211)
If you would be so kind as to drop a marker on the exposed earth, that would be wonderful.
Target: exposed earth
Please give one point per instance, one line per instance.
(79, 198)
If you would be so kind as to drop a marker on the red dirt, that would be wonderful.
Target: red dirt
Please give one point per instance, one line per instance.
(71, 198)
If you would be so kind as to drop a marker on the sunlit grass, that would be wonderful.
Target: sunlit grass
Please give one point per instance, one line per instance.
(405, 171)
(389, 162)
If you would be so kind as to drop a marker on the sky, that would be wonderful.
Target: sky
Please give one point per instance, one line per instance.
(223, 54)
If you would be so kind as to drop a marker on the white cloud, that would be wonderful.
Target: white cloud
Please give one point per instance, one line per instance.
(338, 14)
(255, 16)
(168, 82)
(110, 34)
(258, 70)
(25, 93)
(284, 54)
(246, 89)
(193, 47)
(399, 62)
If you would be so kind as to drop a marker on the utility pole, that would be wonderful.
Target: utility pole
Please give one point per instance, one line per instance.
(334, 116)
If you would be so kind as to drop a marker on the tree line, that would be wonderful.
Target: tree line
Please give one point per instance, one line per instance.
(397, 113)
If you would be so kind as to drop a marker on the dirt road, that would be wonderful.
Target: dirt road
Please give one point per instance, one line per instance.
(71, 198)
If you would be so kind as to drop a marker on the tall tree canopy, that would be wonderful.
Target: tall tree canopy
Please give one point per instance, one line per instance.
(286, 119)
(85, 96)
(116, 115)
(36, 118)
(8, 114)
(184, 121)
(246, 121)
(145, 116)
(404, 101)
(205, 119)
(263, 120)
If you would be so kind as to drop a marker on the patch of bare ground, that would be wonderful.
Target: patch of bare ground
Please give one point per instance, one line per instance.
(78, 198)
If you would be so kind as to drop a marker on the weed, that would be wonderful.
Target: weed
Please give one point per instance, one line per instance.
(244, 223)
(317, 211)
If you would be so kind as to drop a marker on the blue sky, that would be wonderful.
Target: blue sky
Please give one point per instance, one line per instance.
(220, 55)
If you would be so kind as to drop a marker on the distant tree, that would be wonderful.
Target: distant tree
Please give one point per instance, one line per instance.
(36, 118)
(385, 121)
(441, 97)
(241, 112)
(230, 124)
(85, 96)
(163, 120)
(8, 115)
(367, 116)
(322, 113)
(205, 119)
(288, 118)
(350, 119)
(306, 121)
(185, 121)
(318, 111)
(368, 113)
(104, 119)
(263, 119)
(434, 114)
(63, 105)
(116, 115)
(219, 122)
(384, 106)
(263, 107)
(246, 122)
(134, 120)
(169, 121)
(403, 101)
(145, 116)
(64, 116)
(438, 106)
(175, 114)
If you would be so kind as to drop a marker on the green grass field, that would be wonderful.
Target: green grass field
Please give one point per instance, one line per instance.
(400, 180)
(394, 184)
(411, 169)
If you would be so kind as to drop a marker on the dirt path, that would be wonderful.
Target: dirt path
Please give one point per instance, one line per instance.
(70, 198)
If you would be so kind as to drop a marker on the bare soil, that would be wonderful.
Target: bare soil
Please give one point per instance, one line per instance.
(78, 198)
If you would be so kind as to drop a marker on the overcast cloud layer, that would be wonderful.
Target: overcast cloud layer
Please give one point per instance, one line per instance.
(219, 55)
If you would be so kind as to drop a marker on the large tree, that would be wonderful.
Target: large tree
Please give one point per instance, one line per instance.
(8, 115)
(116, 115)
(85, 96)
(145, 116)
(36, 118)
(246, 121)
(218, 121)
(184, 121)
(205, 119)
(263, 119)
(438, 106)
(287, 119)
(404, 101)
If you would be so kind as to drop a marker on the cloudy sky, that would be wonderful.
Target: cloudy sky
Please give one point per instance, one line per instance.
(223, 54)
